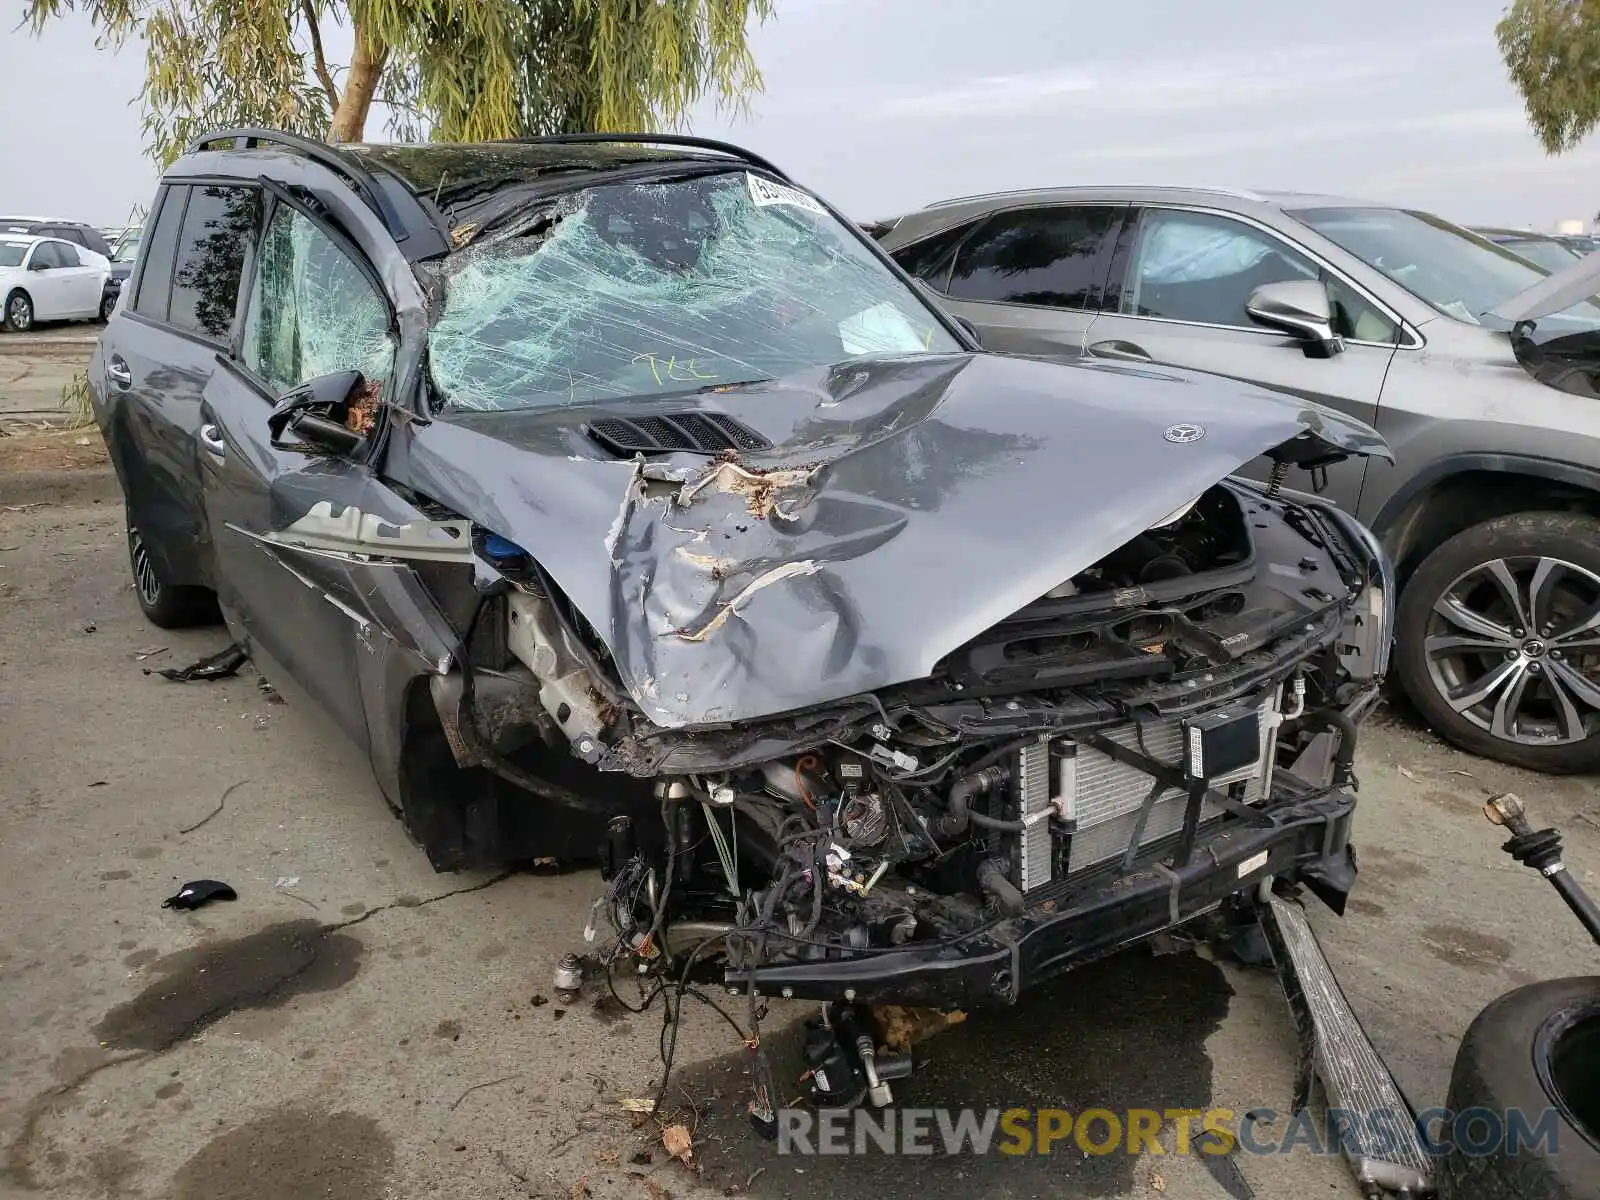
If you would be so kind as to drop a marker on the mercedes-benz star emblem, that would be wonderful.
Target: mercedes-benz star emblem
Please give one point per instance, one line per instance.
(1186, 432)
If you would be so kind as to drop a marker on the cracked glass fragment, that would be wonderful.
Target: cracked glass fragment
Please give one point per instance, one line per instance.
(652, 289)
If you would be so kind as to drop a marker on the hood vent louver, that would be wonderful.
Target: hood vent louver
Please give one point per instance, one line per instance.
(695, 432)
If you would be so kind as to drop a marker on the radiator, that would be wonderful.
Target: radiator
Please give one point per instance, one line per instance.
(1102, 797)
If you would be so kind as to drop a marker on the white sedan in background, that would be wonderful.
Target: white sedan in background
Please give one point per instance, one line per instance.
(47, 279)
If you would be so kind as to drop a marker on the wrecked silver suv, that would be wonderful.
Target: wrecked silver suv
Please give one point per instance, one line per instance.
(623, 500)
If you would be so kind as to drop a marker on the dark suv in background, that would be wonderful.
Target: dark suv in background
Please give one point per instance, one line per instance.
(1480, 374)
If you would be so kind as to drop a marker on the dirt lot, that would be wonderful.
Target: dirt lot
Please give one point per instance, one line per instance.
(355, 1026)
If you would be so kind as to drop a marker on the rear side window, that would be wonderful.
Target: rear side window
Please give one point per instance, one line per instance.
(1048, 256)
(312, 310)
(68, 254)
(155, 277)
(218, 227)
(929, 259)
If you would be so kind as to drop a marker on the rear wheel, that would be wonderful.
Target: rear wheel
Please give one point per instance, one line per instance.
(18, 314)
(108, 304)
(163, 604)
(1498, 640)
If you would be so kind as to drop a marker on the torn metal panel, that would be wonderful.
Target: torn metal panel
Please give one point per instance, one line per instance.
(929, 498)
(349, 530)
(382, 599)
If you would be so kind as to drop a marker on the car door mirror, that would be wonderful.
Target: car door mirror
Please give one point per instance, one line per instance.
(315, 413)
(38, 264)
(1300, 308)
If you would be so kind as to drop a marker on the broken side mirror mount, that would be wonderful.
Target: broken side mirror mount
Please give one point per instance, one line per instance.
(315, 412)
(1300, 308)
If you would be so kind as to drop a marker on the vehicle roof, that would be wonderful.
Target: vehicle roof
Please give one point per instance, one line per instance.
(1272, 197)
(450, 191)
(23, 239)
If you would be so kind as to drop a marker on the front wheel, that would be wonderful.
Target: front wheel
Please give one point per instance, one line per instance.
(1497, 640)
(163, 604)
(18, 316)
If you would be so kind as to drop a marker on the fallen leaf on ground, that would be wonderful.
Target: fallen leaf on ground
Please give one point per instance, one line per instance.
(678, 1141)
(629, 1104)
(1408, 773)
(1158, 1182)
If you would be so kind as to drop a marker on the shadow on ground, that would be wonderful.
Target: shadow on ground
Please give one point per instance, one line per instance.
(1069, 1044)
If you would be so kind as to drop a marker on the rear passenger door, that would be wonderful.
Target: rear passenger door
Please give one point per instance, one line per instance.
(1027, 279)
(83, 281)
(1177, 297)
(160, 352)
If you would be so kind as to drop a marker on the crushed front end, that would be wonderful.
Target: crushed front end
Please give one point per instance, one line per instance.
(1143, 745)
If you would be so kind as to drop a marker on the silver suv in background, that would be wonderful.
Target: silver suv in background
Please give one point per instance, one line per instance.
(1480, 370)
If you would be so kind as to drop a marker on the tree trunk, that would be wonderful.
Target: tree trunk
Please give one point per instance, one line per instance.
(361, 83)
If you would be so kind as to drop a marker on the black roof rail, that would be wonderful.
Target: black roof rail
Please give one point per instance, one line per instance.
(249, 136)
(652, 139)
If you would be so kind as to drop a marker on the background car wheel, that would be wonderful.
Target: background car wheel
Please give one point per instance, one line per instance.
(1534, 1052)
(107, 304)
(18, 314)
(163, 605)
(1498, 640)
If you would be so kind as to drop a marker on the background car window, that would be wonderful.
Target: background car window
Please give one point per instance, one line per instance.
(155, 279)
(1050, 256)
(1190, 266)
(929, 259)
(217, 227)
(68, 254)
(52, 254)
(312, 310)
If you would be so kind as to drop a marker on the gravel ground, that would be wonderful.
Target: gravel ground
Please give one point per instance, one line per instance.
(355, 1026)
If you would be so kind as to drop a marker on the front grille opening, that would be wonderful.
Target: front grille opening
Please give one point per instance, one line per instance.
(692, 432)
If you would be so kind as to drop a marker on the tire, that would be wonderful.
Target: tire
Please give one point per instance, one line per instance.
(164, 605)
(108, 304)
(1543, 710)
(18, 314)
(1535, 1050)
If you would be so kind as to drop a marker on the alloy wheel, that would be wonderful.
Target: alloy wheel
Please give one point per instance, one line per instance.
(19, 313)
(1513, 645)
(144, 573)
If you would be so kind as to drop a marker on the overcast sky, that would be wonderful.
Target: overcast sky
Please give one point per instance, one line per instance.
(884, 105)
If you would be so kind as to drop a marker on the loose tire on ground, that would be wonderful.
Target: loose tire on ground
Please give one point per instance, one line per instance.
(1532, 1050)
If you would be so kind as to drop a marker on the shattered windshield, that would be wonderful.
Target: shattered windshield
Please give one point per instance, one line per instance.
(644, 289)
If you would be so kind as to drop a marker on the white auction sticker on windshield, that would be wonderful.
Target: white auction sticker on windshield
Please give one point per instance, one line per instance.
(766, 191)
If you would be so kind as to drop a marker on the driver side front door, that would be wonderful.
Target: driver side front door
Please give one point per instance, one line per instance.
(313, 310)
(1180, 283)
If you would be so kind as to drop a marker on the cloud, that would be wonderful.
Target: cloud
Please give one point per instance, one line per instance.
(1153, 85)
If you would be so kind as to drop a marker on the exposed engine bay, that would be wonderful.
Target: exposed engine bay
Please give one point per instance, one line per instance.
(1100, 733)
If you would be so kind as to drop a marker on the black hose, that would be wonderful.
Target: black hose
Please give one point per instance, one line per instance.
(993, 883)
(1345, 758)
(960, 815)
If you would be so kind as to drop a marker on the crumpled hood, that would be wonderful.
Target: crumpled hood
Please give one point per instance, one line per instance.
(908, 504)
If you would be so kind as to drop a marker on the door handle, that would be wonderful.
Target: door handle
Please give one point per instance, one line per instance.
(118, 372)
(1116, 348)
(211, 439)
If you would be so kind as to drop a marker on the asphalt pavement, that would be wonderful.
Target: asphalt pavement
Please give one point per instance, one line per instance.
(356, 1026)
